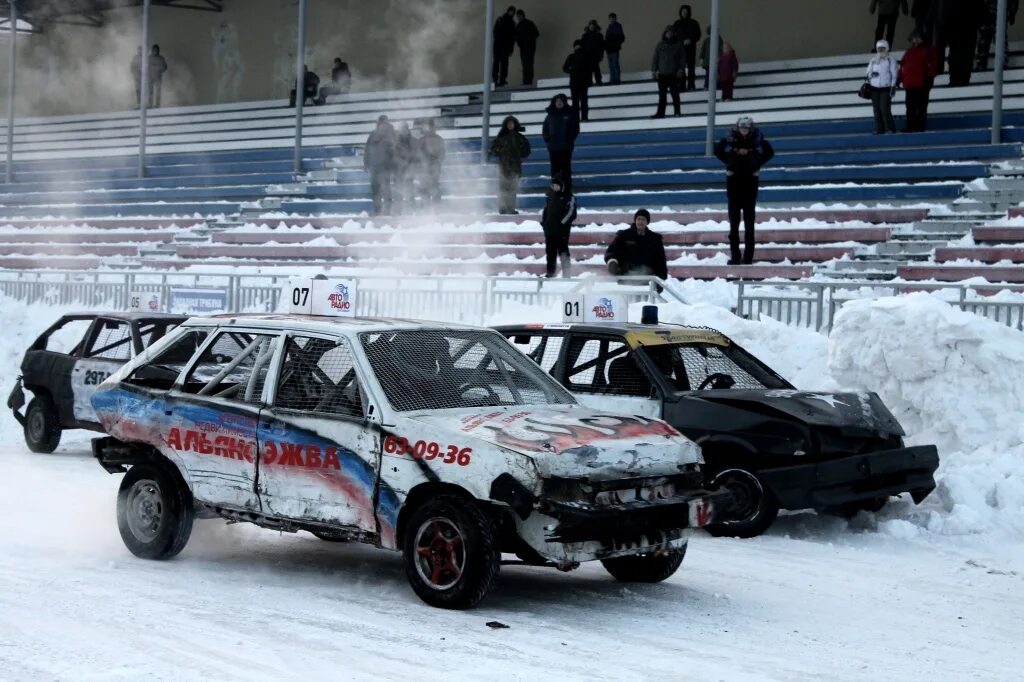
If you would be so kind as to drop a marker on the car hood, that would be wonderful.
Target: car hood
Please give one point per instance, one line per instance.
(569, 441)
(855, 411)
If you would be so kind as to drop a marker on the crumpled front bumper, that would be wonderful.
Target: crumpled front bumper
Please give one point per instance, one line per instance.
(857, 478)
(16, 401)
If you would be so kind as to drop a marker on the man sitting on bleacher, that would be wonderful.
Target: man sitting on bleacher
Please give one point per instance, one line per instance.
(637, 250)
(310, 87)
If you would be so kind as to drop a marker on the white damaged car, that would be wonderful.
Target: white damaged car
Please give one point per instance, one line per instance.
(441, 442)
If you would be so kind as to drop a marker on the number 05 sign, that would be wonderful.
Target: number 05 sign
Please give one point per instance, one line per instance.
(335, 297)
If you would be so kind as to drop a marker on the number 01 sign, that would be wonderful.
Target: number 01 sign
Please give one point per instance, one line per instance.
(335, 297)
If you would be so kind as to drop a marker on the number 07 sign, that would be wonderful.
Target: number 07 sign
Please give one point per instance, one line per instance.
(335, 297)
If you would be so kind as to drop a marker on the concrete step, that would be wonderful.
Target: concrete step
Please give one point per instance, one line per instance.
(221, 225)
(933, 230)
(290, 189)
(873, 275)
(345, 162)
(324, 175)
(157, 251)
(916, 249)
(866, 266)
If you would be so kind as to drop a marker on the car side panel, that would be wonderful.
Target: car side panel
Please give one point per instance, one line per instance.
(86, 376)
(51, 372)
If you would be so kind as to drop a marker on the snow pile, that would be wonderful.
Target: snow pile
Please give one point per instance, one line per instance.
(953, 379)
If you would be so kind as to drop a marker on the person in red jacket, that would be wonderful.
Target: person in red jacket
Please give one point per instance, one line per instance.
(918, 69)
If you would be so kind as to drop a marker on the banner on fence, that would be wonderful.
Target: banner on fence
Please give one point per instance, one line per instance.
(194, 301)
(145, 302)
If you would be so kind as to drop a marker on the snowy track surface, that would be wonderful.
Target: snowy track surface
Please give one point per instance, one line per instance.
(811, 600)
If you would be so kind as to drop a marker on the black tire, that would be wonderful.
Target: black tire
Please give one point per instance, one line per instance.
(451, 554)
(42, 425)
(154, 511)
(755, 508)
(645, 568)
(330, 535)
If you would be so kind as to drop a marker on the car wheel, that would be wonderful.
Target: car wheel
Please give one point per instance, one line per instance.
(330, 535)
(154, 512)
(645, 568)
(451, 554)
(42, 425)
(754, 507)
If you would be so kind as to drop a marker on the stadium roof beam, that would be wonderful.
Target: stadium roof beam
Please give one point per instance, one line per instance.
(90, 13)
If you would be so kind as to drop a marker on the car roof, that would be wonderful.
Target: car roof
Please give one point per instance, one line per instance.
(323, 323)
(634, 334)
(131, 316)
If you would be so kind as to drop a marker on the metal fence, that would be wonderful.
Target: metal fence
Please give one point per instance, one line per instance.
(465, 299)
(815, 304)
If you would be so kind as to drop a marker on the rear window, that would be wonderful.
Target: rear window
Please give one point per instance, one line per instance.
(703, 366)
(440, 370)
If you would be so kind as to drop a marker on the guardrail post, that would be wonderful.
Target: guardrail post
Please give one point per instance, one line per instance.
(820, 312)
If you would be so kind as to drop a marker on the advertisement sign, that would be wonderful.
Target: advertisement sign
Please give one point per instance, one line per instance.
(333, 297)
(145, 302)
(191, 301)
(594, 308)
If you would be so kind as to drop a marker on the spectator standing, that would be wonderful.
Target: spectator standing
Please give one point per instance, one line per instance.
(432, 152)
(918, 69)
(987, 31)
(882, 75)
(526, 39)
(578, 68)
(136, 68)
(405, 169)
(593, 50)
(687, 31)
(157, 69)
(557, 219)
(510, 147)
(940, 13)
(744, 151)
(561, 128)
(667, 69)
(728, 71)
(637, 250)
(888, 15)
(920, 11)
(341, 81)
(504, 46)
(310, 87)
(379, 162)
(614, 38)
(964, 18)
(705, 55)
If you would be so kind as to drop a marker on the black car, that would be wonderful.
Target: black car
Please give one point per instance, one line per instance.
(69, 360)
(775, 447)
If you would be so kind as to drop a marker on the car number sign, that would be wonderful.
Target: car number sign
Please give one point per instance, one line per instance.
(145, 302)
(336, 297)
(593, 308)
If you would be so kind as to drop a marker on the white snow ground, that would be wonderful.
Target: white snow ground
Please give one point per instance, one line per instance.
(887, 596)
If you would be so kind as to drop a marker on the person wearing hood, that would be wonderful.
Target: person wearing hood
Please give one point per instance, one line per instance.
(561, 128)
(705, 54)
(637, 250)
(526, 38)
(157, 69)
(510, 147)
(964, 18)
(728, 71)
(310, 87)
(614, 38)
(918, 69)
(557, 219)
(504, 46)
(432, 151)
(888, 15)
(593, 50)
(379, 162)
(578, 66)
(688, 34)
(882, 75)
(744, 151)
(341, 81)
(405, 169)
(987, 32)
(667, 69)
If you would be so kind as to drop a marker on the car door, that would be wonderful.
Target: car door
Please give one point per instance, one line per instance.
(108, 346)
(603, 374)
(211, 413)
(543, 348)
(49, 362)
(319, 456)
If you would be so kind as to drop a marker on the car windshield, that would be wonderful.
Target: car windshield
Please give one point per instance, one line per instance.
(702, 366)
(428, 369)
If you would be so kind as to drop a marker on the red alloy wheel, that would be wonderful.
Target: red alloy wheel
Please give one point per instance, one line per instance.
(440, 553)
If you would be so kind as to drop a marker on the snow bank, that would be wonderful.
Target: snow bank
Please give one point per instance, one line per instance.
(951, 378)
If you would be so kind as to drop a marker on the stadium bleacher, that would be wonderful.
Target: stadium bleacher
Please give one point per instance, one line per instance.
(837, 201)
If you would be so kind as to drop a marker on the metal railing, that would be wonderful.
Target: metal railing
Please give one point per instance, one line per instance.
(815, 304)
(465, 299)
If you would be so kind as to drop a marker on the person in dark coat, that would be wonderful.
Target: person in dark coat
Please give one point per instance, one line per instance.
(379, 162)
(341, 81)
(667, 69)
(962, 29)
(310, 87)
(705, 54)
(637, 250)
(593, 49)
(728, 71)
(888, 15)
(920, 12)
(510, 147)
(987, 32)
(526, 39)
(406, 171)
(432, 151)
(918, 68)
(614, 38)
(504, 46)
(157, 69)
(687, 31)
(744, 151)
(578, 67)
(557, 219)
(561, 128)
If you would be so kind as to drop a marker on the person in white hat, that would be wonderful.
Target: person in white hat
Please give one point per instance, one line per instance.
(883, 75)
